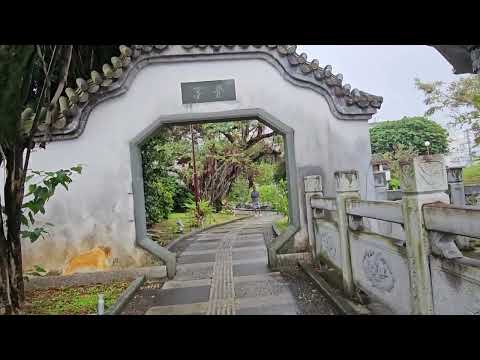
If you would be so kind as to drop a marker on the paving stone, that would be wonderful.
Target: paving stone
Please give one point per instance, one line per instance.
(199, 246)
(260, 288)
(250, 269)
(186, 309)
(189, 295)
(269, 310)
(192, 259)
(238, 244)
(255, 254)
(185, 272)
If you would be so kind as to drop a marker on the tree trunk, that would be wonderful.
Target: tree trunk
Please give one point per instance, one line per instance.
(4, 286)
(13, 207)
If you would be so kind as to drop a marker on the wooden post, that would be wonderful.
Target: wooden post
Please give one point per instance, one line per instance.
(423, 180)
(348, 186)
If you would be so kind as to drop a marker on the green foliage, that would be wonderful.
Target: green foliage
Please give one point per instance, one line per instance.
(15, 79)
(80, 300)
(206, 213)
(159, 199)
(276, 195)
(265, 173)
(410, 132)
(164, 192)
(282, 224)
(181, 196)
(394, 158)
(394, 184)
(280, 171)
(460, 99)
(471, 174)
(239, 193)
(38, 194)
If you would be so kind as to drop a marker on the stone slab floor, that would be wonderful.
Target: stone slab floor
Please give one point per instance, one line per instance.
(223, 271)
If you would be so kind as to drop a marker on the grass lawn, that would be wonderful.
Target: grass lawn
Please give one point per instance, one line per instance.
(166, 231)
(471, 174)
(80, 300)
(282, 224)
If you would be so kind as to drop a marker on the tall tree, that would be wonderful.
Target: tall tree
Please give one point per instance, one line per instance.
(230, 149)
(33, 76)
(460, 99)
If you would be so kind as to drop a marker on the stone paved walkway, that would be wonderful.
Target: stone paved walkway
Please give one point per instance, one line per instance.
(224, 271)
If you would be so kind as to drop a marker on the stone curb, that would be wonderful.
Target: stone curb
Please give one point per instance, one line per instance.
(341, 304)
(126, 296)
(275, 229)
(195, 232)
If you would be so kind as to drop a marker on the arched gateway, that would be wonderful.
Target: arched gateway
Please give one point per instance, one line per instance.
(103, 121)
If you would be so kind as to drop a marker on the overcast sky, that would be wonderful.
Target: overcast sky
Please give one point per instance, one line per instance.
(388, 71)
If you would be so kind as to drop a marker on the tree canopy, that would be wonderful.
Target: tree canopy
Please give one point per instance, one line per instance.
(460, 99)
(410, 132)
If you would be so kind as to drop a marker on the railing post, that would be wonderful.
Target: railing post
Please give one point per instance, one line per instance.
(380, 181)
(456, 188)
(313, 187)
(348, 187)
(381, 186)
(423, 180)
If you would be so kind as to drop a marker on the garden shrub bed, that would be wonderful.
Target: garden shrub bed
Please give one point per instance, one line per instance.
(78, 300)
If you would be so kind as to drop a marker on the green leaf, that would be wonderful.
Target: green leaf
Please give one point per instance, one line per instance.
(24, 220)
(39, 269)
(30, 215)
(77, 169)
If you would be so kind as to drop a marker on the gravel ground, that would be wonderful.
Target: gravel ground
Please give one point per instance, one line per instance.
(310, 300)
(144, 298)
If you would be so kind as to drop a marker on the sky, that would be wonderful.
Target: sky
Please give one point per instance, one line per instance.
(388, 71)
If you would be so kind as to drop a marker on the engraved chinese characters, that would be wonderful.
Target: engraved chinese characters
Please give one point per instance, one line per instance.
(208, 91)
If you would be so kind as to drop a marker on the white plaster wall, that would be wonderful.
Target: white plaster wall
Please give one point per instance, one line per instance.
(98, 209)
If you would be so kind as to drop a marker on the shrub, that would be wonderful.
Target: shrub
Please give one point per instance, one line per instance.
(206, 213)
(410, 132)
(276, 195)
(159, 199)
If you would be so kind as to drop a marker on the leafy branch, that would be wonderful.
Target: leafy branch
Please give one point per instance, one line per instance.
(39, 193)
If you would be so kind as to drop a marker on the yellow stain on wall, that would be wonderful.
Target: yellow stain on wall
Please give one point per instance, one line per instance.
(92, 260)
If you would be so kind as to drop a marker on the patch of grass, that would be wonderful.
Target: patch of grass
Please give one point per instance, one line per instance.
(81, 300)
(282, 224)
(471, 174)
(166, 230)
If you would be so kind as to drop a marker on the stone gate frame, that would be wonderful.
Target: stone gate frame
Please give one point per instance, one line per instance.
(142, 238)
(74, 107)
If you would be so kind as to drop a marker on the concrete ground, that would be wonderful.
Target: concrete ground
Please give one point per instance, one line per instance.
(223, 271)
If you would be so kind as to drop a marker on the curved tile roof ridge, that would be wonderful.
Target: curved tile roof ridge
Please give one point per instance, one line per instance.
(69, 118)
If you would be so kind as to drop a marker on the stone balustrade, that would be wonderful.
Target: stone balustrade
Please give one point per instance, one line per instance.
(422, 271)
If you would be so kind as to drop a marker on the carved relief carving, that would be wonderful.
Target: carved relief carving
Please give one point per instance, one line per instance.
(377, 271)
(328, 245)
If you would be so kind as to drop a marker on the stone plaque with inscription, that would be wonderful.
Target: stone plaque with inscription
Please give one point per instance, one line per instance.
(208, 91)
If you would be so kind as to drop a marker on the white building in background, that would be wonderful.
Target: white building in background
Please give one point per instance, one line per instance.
(462, 147)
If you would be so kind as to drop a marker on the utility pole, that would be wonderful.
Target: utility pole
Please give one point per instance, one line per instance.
(195, 179)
